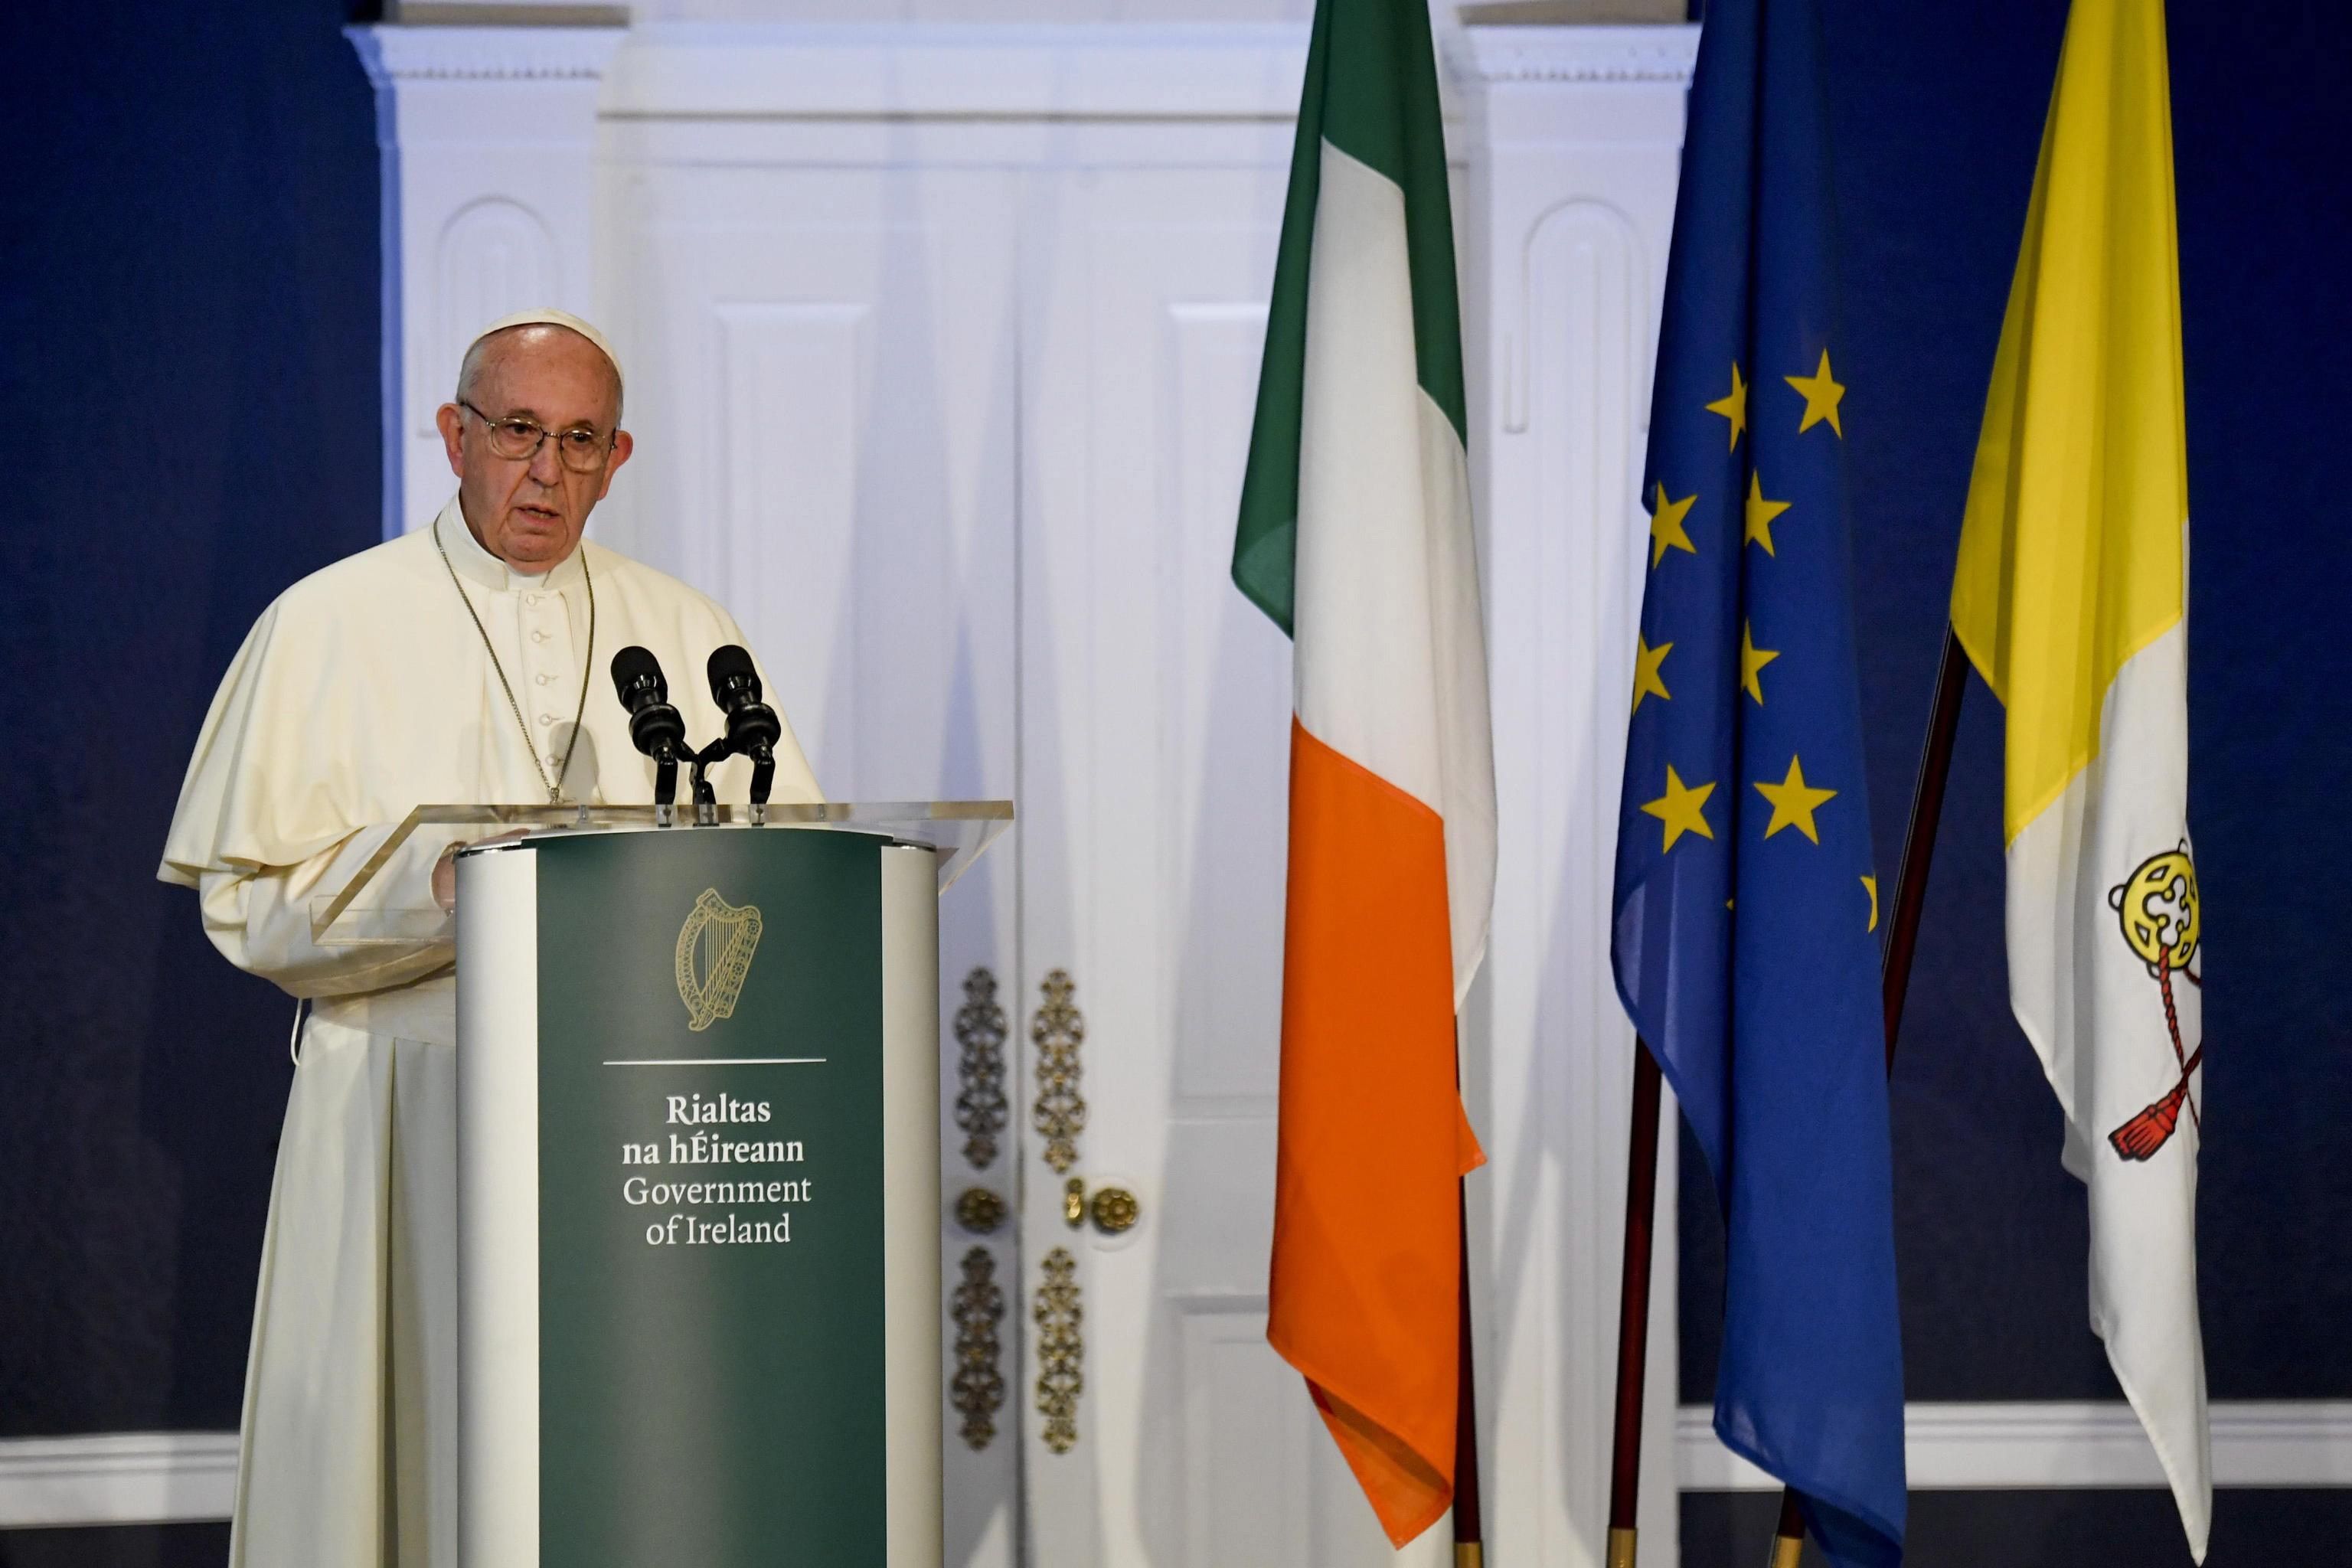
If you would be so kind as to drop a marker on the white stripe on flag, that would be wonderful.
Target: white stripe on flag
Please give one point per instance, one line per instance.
(2095, 1014)
(1391, 663)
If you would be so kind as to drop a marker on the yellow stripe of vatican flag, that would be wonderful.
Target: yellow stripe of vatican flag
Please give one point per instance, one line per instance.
(2071, 599)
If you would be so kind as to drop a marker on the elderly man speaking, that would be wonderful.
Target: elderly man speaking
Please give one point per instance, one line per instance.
(464, 662)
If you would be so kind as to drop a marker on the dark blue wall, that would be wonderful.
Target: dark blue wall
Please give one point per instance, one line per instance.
(1938, 110)
(189, 409)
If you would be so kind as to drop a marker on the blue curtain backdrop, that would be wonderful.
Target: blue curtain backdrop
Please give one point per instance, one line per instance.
(1938, 110)
(188, 422)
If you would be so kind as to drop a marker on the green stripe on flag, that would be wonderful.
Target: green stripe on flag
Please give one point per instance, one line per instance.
(1266, 545)
(1371, 91)
(1382, 110)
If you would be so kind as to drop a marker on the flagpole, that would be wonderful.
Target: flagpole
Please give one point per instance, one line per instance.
(1919, 839)
(1633, 1310)
(1902, 934)
(1788, 1536)
(1469, 1521)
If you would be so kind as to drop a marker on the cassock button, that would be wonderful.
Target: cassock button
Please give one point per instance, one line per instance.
(547, 718)
(545, 679)
(539, 637)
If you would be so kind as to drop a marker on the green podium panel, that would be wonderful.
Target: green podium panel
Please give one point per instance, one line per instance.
(699, 1278)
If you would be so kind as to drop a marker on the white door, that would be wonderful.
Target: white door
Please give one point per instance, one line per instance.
(1155, 727)
(960, 447)
(822, 368)
(956, 429)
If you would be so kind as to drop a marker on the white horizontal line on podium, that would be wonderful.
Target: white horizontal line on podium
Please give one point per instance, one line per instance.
(722, 1062)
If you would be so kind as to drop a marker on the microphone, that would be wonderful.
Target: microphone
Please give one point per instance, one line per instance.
(752, 727)
(655, 728)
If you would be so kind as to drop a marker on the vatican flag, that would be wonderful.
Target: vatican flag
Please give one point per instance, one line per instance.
(2071, 599)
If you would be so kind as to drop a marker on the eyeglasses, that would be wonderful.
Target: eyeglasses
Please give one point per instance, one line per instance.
(582, 450)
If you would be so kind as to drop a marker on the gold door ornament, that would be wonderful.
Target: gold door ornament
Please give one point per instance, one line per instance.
(1115, 1208)
(979, 1031)
(1058, 1031)
(980, 1211)
(714, 957)
(977, 1306)
(1061, 1350)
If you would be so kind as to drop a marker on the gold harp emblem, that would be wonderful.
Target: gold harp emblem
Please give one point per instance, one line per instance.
(714, 955)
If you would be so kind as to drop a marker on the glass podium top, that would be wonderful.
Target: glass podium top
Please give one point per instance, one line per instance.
(367, 909)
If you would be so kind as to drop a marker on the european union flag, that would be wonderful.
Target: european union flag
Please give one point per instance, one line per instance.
(1745, 905)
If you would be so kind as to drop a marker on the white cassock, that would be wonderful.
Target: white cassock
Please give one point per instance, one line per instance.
(363, 692)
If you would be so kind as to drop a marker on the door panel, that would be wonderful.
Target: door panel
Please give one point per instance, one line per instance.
(1155, 713)
(924, 430)
(822, 368)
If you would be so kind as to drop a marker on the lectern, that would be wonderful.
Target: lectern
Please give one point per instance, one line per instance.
(698, 1203)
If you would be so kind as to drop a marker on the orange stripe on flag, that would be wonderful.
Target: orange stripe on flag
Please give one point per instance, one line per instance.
(1367, 1230)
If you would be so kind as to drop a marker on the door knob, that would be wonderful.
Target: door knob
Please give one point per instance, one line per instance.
(1115, 1209)
(979, 1211)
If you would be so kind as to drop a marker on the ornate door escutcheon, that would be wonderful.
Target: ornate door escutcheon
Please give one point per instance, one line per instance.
(980, 1110)
(977, 1306)
(1060, 1111)
(1061, 1350)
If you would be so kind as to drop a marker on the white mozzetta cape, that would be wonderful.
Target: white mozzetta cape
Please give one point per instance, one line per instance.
(363, 692)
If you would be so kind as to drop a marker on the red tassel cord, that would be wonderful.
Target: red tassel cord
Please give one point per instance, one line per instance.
(2152, 1129)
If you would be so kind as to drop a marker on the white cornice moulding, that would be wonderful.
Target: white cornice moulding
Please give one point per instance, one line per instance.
(117, 1477)
(2064, 1445)
(395, 54)
(1498, 55)
(937, 70)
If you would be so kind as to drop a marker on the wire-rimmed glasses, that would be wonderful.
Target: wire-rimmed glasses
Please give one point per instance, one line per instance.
(582, 450)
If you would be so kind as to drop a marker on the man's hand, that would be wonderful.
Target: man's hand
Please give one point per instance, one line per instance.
(445, 869)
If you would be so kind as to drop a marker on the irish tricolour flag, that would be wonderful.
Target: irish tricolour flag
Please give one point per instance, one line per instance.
(2072, 601)
(1355, 536)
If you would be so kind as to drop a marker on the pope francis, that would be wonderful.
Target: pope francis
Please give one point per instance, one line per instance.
(463, 662)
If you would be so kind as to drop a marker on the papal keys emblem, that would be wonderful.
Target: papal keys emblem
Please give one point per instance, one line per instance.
(714, 955)
(2156, 905)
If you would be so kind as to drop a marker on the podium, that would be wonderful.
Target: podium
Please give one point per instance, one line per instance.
(698, 1176)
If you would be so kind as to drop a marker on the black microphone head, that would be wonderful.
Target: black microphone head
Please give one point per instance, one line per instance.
(638, 677)
(655, 727)
(733, 678)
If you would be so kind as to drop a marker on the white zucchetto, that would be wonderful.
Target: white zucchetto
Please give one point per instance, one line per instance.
(549, 317)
